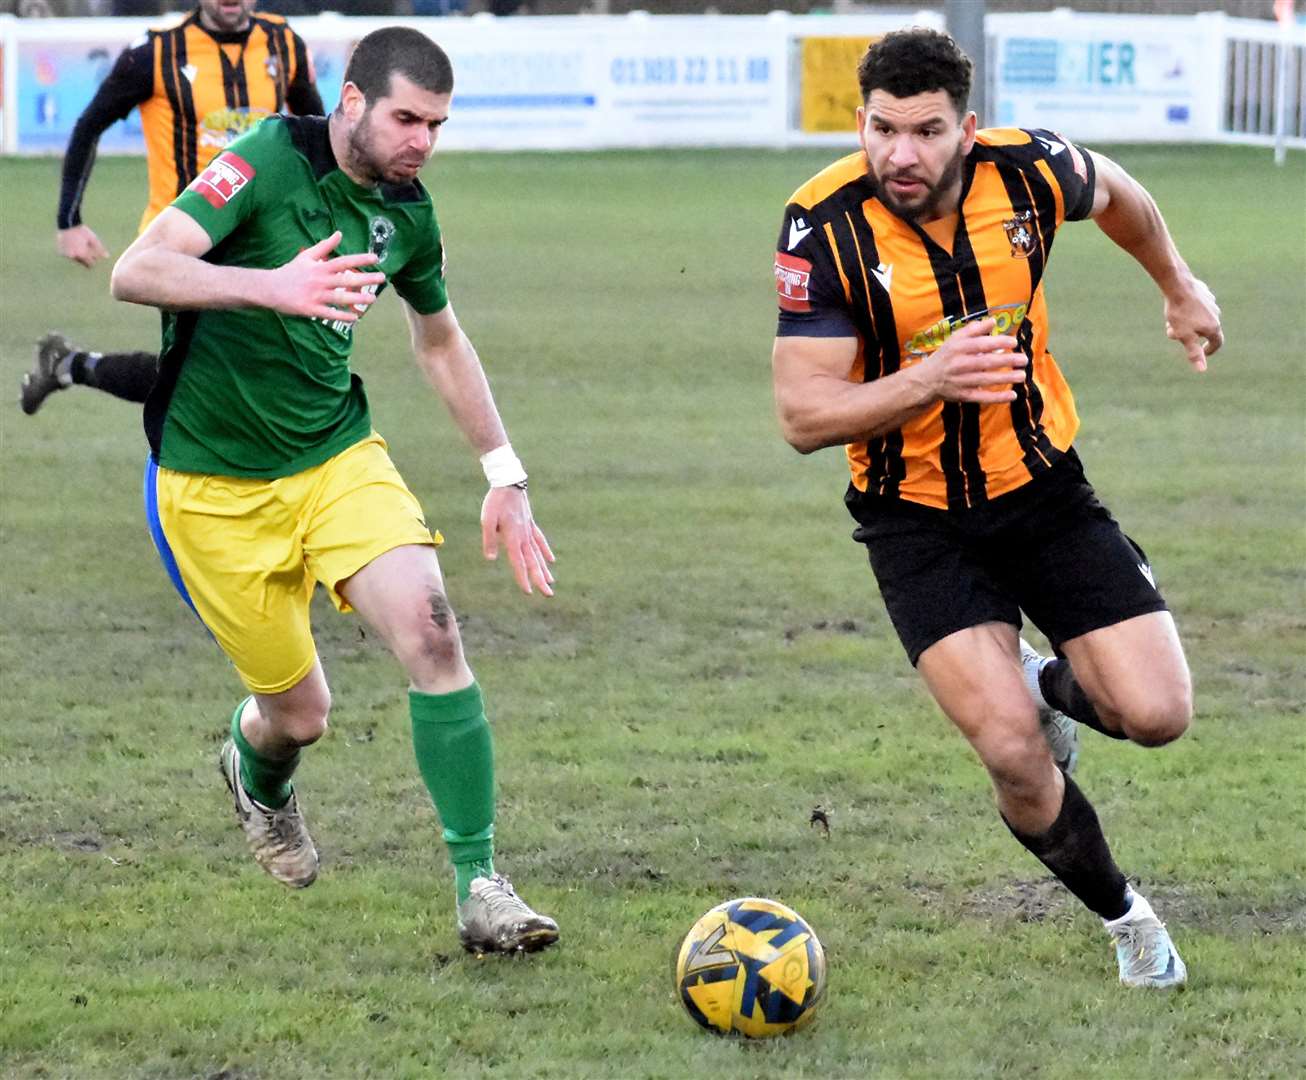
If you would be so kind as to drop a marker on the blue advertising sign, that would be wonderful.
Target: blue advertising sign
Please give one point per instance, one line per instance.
(56, 81)
(1101, 82)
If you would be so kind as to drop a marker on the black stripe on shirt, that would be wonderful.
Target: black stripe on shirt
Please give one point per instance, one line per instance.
(1040, 452)
(1045, 209)
(950, 300)
(171, 75)
(278, 51)
(188, 166)
(888, 468)
(1022, 203)
(972, 290)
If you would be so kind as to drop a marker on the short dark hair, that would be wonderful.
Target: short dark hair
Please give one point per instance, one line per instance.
(398, 50)
(916, 61)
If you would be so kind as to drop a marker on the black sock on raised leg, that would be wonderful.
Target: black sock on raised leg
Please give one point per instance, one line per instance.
(1061, 690)
(129, 376)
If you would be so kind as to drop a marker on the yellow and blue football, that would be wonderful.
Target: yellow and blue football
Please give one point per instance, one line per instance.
(751, 967)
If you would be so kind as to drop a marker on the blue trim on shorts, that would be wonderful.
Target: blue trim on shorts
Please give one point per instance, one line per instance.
(157, 534)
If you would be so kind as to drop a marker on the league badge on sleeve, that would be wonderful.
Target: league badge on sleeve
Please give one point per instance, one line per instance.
(791, 277)
(222, 180)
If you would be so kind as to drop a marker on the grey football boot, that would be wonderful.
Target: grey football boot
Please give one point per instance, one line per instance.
(494, 918)
(1060, 731)
(1144, 952)
(278, 838)
(45, 377)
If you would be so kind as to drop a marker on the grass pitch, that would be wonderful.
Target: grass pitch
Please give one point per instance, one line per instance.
(716, 663)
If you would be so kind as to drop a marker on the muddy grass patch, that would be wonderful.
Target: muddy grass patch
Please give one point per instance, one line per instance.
(1190, 907)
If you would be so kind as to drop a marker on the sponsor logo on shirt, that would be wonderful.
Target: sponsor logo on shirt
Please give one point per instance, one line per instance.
(221, 127)
(791, 277)
(1006, 318)
(223, 179)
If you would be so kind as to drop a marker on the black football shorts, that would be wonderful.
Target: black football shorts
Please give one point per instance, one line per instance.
(1049, 549)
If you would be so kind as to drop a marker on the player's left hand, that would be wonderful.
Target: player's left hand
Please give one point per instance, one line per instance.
(1192, 318)
(506, 519)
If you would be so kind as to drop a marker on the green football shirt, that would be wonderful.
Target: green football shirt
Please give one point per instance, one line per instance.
(254, 393)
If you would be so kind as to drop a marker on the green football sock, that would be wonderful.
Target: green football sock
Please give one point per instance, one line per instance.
(455, 755)
(265, 780)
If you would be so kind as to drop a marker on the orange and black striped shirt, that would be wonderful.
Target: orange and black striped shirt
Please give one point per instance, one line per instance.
(197, 90)
(848, 267)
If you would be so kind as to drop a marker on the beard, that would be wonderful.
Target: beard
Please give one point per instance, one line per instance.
(927, 205)
(366, 162)
(230, 22)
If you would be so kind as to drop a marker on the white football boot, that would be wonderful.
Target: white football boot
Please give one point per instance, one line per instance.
(1060, 731)
(278, 838)
(494, 918)
(1144, 951)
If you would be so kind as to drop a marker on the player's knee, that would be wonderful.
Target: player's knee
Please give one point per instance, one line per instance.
(1016, 760)
(1161, 720)
(431, 641)
(305, 729)
(302, 718)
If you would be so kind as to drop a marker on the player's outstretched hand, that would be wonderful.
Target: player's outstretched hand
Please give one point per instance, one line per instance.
(975, 364)
(1192, 318)
(506, 519)
(318, 286)
(81, 245)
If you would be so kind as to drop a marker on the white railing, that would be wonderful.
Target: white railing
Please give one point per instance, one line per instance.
(1265, 88)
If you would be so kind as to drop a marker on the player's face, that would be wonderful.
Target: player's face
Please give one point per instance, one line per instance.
(915, 147)
(225, 16)
(396, 135)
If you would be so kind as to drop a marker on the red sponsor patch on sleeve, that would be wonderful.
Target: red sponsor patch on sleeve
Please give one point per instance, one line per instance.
(792, 275)
(1076, 158)
(225, 176)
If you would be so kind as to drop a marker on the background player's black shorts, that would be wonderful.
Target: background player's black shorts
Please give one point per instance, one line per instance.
(1049, 548)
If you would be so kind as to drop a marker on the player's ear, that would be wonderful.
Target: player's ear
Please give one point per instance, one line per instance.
(861, 125)
(968, 125)
(352, 102)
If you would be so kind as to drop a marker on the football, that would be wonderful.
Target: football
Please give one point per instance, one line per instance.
(751, 967)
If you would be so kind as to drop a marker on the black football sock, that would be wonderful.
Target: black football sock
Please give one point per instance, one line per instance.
(1076, 851)
(124, 375)
(1061, 690)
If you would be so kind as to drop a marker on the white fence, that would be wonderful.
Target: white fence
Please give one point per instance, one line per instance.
(1265, 85)
(637, 80)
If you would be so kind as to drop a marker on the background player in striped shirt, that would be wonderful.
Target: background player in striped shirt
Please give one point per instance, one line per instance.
(913, 331)
(199, 85)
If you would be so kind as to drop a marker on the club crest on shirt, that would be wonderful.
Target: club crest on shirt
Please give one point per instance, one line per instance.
(380, 231)
(270, 65)
(1020, 233)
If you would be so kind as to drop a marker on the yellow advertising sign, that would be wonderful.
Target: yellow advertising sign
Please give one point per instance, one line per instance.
(828, 78)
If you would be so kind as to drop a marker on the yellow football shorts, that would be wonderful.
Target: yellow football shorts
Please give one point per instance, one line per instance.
(247, 554)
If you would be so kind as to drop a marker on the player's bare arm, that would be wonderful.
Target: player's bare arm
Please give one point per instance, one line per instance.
(165, 268)
(818, 405)
(449, 361)
(1125, 211)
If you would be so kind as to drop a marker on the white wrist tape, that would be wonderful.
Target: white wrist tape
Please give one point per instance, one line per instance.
(502, 467)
